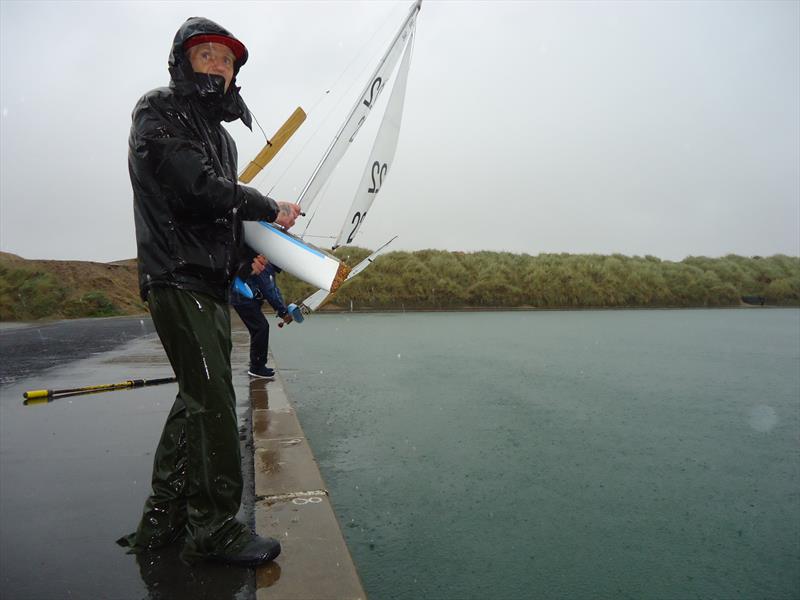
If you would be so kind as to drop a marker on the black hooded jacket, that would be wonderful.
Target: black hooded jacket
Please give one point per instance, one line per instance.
(188, 204)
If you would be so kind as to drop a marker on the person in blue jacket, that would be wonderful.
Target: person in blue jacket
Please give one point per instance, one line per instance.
(250, 312)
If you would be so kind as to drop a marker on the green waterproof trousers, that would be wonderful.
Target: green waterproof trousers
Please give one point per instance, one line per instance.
(197, 470)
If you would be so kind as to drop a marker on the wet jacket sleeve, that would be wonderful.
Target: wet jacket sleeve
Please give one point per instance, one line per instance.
(183, 164)
(270, 292)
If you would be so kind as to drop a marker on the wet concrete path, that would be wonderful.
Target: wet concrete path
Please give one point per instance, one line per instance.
(74, 474)
(28, 348)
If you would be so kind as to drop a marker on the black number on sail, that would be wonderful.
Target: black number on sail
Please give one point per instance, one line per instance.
(379, 172)
(357, 219)
(374, 90)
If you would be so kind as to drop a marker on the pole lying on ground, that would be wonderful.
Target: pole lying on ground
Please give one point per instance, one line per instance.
(44, 396)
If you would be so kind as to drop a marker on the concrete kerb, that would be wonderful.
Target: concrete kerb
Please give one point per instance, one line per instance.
(291, 500)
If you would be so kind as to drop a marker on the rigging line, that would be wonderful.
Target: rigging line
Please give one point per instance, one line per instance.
(356, 56)
(322, 193)
(255, 118)
(322, 237)
(321, 97)
(323, 121)
(308, 224)
(300, 152)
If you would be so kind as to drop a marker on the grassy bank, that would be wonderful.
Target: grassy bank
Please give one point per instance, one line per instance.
(439, 280)
(433, 279)
(62, 289)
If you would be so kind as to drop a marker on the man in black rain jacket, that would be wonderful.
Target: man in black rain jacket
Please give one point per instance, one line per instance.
(188, 209)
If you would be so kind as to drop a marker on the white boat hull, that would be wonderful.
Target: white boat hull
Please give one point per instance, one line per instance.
(293, 255)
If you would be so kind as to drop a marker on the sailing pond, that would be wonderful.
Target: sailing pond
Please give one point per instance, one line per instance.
(583, 454)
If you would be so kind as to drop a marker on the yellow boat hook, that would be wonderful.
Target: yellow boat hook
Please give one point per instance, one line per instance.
(44, 396)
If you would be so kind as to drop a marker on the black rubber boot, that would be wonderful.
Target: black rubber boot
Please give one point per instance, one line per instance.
(257, 551)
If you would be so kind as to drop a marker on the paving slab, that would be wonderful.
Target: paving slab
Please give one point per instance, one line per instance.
(292, 505)
(269, 425)
(316, 561)
(285, 467)
(270, 395)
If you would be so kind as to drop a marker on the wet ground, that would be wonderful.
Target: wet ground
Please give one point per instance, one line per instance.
(74, 473)
(27, 348)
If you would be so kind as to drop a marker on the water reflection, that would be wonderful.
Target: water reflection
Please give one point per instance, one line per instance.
(167, 577)
(259, 396)
(268, 575)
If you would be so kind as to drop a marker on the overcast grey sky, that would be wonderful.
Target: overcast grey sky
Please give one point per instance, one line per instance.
(664, 128)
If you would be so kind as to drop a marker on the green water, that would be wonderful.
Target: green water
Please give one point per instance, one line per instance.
(598, 454)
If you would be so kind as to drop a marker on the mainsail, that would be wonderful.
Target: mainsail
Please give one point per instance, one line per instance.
(358, 114)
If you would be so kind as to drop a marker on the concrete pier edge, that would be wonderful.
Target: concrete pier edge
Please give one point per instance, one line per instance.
(291, 499)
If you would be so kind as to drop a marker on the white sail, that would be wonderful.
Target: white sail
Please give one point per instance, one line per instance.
(292, 254)
(382, 154)
(359, 113)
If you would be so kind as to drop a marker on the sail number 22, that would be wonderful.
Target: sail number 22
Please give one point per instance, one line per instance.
(378, 173)
(374, 92)
(357, 219)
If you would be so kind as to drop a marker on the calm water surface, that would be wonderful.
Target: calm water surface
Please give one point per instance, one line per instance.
(598, 454)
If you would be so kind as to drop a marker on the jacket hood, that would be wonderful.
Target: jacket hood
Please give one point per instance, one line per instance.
(210, 89)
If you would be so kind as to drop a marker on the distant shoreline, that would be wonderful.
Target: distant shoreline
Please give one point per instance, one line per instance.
(544, 309)
(10, 325)
(437, 281)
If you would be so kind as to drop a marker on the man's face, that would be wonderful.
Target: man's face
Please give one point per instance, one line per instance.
(213, 59)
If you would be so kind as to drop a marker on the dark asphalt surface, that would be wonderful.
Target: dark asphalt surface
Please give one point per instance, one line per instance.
(30, 348)
(74, 473)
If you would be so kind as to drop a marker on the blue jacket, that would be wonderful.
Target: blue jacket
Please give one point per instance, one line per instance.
(264, 288)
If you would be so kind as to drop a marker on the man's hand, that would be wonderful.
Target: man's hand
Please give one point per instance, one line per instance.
(287, 214)
(259, 264)
(287, 318)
